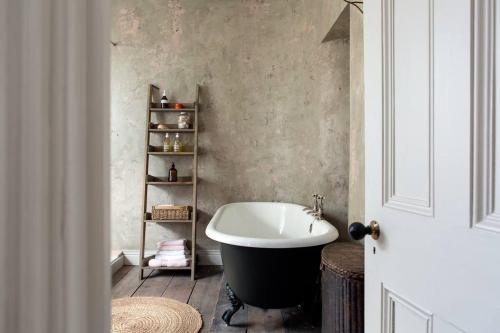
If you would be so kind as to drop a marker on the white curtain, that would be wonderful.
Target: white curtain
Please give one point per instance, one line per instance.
(54, 166)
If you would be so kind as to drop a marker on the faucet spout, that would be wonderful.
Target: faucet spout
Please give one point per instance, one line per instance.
(316, 211)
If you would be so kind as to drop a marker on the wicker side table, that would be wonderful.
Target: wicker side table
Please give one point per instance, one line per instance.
(342, 288)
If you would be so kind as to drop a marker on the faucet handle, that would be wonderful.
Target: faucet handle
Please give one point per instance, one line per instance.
(321, 198)
(315, 206)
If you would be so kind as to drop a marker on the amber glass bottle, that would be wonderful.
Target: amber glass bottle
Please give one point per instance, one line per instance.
(164, 100)
(172, 173)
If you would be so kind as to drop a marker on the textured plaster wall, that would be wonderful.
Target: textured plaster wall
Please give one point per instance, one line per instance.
(275, 105)
(348, 24)
(357, 119)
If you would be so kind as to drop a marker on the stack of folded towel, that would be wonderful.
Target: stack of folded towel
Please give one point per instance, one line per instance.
(171, 253)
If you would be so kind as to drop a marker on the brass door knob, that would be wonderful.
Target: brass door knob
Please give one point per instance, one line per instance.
(358, 231)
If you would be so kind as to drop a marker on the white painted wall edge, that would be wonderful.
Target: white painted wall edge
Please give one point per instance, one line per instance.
(117, 263)
(205, 257)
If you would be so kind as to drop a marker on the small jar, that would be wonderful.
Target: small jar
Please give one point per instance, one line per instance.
(184, 120)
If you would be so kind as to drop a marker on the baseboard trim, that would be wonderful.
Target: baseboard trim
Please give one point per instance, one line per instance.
(117, 263)
(209, 258)
(205, 257)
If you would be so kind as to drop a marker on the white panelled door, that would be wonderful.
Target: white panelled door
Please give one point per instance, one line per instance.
(432, 166)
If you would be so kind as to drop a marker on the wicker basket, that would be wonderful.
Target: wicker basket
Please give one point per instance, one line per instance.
(170, 212)
(342, 287)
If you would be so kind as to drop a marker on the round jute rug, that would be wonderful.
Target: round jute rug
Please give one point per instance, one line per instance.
(153, 315)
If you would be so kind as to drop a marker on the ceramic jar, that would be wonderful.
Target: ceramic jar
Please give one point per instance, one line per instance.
(184, 120)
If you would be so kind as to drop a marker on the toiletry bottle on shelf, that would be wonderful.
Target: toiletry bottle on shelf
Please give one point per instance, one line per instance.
(167, 144)
(164, 100)
(183, 120)
(177, 143)
(172, 173)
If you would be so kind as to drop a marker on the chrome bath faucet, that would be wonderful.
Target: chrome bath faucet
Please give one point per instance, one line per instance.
(317, 210)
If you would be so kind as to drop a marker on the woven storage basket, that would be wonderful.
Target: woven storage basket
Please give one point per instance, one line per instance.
(170, 212)
(342, 287)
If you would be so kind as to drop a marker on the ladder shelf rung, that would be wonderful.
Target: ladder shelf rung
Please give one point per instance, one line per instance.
(170, 183)
(171, 130)
(186, 107)
(165, 268)
(172, 110)
(162, 153)
(163, 181)
(168, 221)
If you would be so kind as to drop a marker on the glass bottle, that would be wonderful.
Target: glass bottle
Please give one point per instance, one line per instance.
(177, 143)
(183, 120)
(164, 100)
(172, 173)
(167, 143)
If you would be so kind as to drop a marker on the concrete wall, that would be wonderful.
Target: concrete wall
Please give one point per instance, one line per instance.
(275, 105)
(349, 25)
(357, 119)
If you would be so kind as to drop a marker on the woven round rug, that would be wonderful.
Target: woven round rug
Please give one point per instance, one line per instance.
(153, 314)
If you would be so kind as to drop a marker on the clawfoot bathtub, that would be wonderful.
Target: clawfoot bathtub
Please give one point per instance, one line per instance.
(270, 257)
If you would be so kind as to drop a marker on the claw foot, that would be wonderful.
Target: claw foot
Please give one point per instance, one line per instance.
(236, 304)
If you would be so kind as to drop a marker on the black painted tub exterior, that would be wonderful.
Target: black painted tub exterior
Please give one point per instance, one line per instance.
(271, 278)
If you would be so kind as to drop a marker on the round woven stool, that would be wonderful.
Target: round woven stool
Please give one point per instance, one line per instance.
(342, 288)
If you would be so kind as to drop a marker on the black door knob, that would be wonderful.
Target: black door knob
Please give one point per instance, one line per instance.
(358, 231)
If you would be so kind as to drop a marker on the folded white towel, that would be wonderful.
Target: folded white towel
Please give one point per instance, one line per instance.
(168, 263)
(181, 242)
(163, 257)
(172, 248)
(173, 253)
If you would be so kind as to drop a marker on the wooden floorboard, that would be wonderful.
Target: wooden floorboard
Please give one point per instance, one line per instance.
(295, 321)
(155, 284)
(180, 287)
(128, 284)
(120, 274)
(264, 321)
(205, 294)
(238, 322)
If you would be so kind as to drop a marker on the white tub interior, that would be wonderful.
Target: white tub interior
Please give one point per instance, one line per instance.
(268, 224)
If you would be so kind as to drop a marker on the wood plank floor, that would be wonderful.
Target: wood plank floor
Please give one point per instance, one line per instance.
(207, 295)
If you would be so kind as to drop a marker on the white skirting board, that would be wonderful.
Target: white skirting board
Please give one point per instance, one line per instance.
(205, 257)
(117, 262)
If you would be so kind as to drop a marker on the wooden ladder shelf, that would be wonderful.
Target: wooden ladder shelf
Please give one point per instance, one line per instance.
(149, 180)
